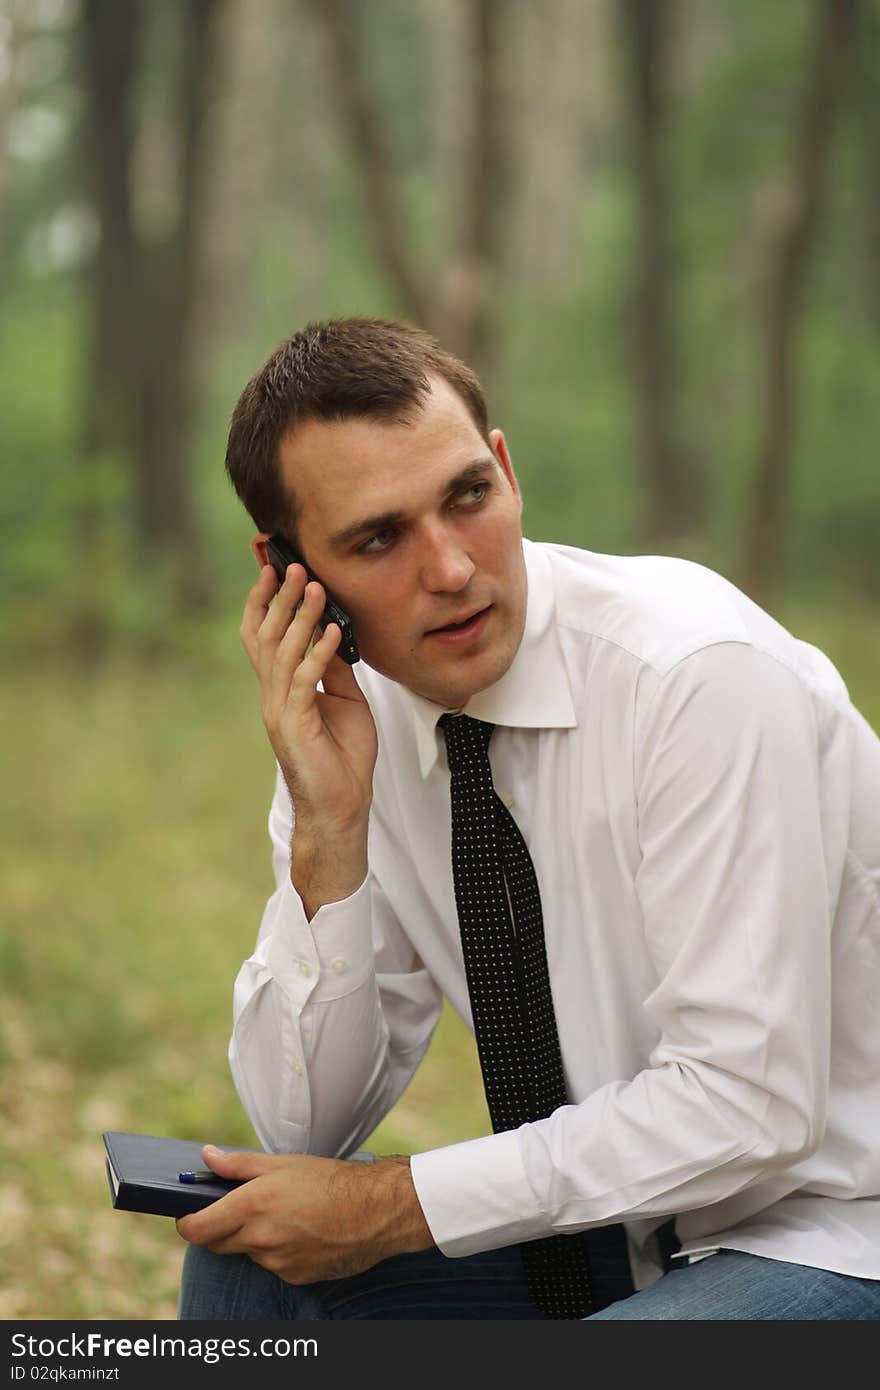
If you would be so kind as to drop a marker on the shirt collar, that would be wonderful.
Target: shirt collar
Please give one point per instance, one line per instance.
(533, 693)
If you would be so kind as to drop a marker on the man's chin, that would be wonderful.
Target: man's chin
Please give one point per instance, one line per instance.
(453, 689)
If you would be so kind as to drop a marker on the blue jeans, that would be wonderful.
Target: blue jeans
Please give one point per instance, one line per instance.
(728, 1286)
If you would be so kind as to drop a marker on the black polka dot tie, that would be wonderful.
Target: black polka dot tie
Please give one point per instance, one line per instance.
(502, 938)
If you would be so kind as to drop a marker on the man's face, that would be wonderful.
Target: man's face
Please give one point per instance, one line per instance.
(414, 526)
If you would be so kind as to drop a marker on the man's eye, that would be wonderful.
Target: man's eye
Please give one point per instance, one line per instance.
(475, 493)
(381, 541)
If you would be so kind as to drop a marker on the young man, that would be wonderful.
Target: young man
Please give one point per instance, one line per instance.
(698, 798)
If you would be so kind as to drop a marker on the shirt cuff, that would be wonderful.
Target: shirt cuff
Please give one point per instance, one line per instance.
(476, 1196)
(325, 958)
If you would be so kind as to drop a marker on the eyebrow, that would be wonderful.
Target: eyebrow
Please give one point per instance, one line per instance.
(387, 519)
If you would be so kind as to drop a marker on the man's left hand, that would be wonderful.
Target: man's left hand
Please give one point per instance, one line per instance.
(307, 1218)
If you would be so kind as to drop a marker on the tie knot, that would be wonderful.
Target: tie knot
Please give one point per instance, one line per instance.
(466, 737)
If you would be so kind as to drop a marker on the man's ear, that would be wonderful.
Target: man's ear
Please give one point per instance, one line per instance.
(499, 448)
(258, 547)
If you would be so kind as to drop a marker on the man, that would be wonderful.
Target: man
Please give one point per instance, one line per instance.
(699, 801)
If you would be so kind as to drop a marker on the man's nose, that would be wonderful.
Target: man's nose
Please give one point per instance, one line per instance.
(445, 565)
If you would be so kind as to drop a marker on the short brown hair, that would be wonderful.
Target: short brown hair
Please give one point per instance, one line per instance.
(336, 370)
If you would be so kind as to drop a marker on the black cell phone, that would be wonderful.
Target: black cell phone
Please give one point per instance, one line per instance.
(282, 554)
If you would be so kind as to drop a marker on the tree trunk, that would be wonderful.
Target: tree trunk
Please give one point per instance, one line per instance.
(109, 42)
(9, 95)
(788, 259)
(868, 106)
(462, 313)
(470, 283)
(166, 519)
(561, 66)
(240, 176)
(384, 212)
(667, 497)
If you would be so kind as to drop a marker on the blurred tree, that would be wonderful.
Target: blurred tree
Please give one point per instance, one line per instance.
(242, 175)
(789, 243)
(464, 311)
(384, 212)
(460, 306)
(170, 287)
(671, 500)
(561, 97)
(8, 102)
(144, 282)
(109, 51)
(867, 96)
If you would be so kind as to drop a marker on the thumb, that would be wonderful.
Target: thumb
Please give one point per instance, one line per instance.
(240, 1166)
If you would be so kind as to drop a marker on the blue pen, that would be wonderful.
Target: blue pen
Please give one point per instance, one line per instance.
(197, 1175)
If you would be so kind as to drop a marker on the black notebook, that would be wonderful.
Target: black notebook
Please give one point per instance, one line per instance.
(143, 1172)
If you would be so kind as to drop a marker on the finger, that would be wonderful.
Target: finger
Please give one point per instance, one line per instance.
(287, 620)
(292, 651)
(284, 606)
(216, 1222)
(255, 610)
(283, 636)
(241, 1166)
(236, 1244)
(303, 688)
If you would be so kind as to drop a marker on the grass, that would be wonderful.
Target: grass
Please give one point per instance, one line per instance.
(134, 864)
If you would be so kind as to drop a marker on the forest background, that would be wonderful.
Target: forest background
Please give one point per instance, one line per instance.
(654, 228)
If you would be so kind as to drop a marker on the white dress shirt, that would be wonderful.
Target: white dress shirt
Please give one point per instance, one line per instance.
(702, 804)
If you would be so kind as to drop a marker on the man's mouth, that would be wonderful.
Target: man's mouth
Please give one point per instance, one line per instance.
(467, 621)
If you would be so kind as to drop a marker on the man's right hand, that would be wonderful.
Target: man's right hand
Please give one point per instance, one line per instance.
(325, 741)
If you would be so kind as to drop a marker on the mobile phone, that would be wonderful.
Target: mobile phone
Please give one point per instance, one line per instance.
(281, 554)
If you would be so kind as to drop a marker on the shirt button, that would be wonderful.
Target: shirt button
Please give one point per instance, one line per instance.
(339, 964)
(298, 1069)
(305, 969)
